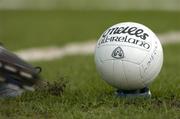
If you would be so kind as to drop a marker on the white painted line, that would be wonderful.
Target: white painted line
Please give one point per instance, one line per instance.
(53, 52)
(171, 37)
(50, 53)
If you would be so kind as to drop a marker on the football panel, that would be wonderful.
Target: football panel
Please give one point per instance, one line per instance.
(100, 53)
(105, 69)
(119, 79)
(130, 54)
(152, 64)
(132, 74)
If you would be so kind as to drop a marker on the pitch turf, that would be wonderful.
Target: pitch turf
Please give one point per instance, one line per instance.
(44, 28)
(86, 95)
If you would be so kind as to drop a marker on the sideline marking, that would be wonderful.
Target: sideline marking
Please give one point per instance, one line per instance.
(84, 48)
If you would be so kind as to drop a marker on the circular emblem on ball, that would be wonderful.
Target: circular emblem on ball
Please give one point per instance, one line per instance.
(118, 53)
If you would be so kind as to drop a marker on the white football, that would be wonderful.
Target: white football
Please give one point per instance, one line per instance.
(128, 56)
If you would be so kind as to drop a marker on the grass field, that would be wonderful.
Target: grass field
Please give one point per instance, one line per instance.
(86, 95)
(44, 28)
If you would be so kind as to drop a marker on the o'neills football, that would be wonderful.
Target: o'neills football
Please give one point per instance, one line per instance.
(128, 56)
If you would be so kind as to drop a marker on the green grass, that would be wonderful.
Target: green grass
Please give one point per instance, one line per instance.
(87, 96)
(24, 29)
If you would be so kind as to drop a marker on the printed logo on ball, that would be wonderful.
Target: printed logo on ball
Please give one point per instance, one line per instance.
(125, 35)
(118, 53)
